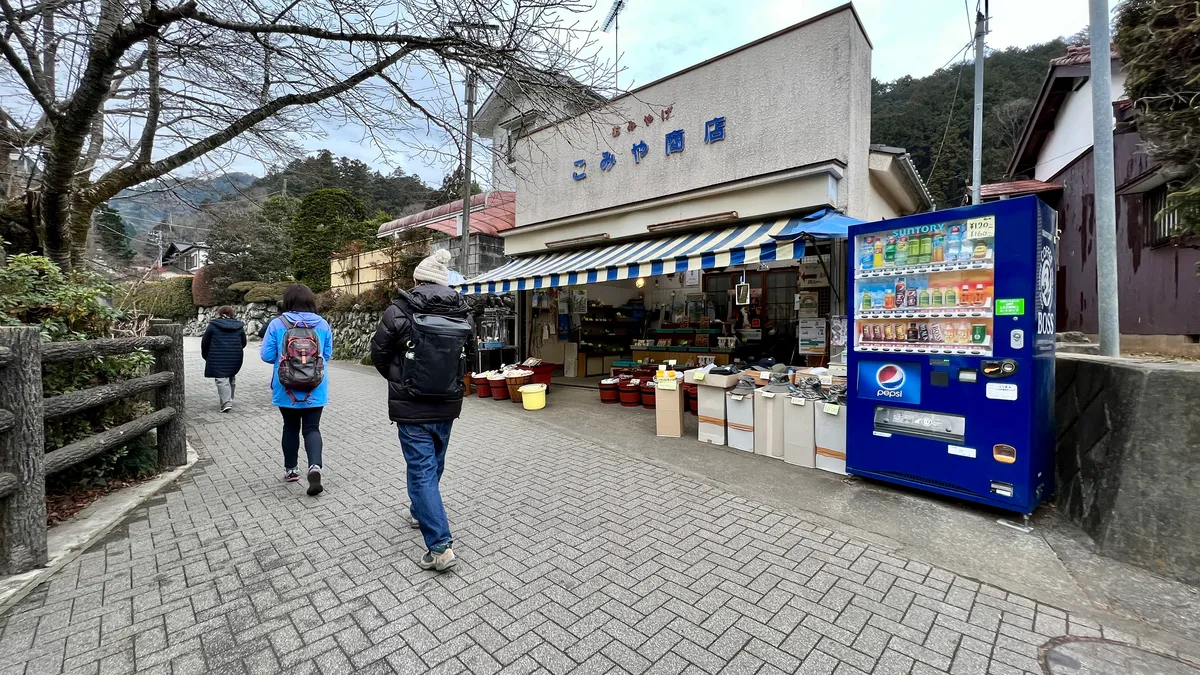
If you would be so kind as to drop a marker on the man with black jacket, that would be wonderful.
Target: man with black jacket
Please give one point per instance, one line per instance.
(423, 346)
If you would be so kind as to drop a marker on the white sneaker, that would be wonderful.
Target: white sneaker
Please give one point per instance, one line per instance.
(438, 561)
(314, 481)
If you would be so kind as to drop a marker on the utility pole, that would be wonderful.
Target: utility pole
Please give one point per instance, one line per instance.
(1105, 188)
(283, 189)
(466, 212)
(472, 80)
(977, 133)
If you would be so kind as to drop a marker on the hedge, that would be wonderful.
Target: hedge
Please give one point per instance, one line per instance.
(261, 292)
(169, 299)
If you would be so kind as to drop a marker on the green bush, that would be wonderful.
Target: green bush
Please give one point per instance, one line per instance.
(327, 220)
(33, 291)
(169, 299)
(260, 292)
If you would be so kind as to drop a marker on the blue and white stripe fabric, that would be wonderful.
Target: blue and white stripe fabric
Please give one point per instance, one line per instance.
(736, 245)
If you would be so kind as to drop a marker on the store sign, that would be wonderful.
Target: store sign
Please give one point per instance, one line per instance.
(807, 304)
(674, 142)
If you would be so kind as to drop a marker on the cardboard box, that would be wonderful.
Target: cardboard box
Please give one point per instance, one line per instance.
(799, 429)
(830, 437)
(668, 412)
(710, 403)
(768, 423)
(739, 422)
(709, 380)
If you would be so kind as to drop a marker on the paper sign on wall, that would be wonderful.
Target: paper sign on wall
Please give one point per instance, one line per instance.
(812, 275)
(807, 304)
(812, 336)
(1001, 391)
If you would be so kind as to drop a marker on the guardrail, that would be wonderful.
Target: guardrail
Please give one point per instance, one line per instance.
(24, 464)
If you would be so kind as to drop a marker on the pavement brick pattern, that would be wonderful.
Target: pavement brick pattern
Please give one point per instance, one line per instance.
(573, 559)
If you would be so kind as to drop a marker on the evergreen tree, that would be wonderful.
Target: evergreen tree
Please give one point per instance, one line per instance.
(251, 244)
(114, 237)
(452, 187)
(325, 223)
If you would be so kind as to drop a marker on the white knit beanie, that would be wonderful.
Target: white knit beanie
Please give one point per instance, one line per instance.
(433, 269)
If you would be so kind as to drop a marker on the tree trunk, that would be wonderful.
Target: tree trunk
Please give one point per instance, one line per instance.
(23, 513)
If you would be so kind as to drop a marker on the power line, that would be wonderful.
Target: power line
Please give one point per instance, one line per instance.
(949, 117)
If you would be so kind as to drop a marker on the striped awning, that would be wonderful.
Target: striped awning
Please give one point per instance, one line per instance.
(736, 245)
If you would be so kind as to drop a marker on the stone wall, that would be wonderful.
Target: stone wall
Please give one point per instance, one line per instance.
(352, 331)
(1128, 459)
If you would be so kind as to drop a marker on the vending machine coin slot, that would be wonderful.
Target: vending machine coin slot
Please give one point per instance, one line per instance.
(998, 369)
(1002, 489)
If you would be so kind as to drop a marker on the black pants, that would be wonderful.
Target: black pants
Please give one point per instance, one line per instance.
(296, 420)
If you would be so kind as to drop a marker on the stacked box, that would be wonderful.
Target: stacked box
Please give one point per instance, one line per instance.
(799, 430)
(711, 414)
(768, 423)
(830, 437)
(739, 420)
(668, 409)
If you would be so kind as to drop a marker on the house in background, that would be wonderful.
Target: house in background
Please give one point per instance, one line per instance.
(184, 258)
(1159, 289)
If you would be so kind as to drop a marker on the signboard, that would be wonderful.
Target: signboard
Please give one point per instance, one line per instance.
(1010, 306)
(812, 336)
(812, 275)
(807, 304)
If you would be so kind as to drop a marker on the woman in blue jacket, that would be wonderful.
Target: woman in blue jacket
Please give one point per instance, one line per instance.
(301, 410)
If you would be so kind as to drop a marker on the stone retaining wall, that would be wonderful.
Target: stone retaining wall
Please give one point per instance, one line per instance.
(1128, 459)
(352, 331)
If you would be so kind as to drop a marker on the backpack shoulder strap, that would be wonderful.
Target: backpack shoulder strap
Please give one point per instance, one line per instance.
(287, 325)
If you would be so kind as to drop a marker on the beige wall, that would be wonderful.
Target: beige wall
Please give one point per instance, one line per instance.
(798, 101)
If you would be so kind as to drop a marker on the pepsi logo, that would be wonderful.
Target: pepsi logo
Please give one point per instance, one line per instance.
(890, 377)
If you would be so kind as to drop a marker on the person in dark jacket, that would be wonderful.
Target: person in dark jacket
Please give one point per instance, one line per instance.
(424, 424)
(221, 348)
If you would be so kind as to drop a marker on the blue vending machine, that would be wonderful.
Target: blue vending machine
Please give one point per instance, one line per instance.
(951, 377)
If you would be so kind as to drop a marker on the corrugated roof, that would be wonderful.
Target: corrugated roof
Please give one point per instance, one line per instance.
(491, 213)
(1016, 187)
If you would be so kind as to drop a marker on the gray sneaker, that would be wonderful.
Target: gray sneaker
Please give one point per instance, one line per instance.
(438, 561)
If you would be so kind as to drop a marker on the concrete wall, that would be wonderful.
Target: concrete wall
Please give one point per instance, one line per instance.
(1128, 459)
(796, 100)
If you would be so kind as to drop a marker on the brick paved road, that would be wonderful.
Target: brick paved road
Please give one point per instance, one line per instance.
(573, 559)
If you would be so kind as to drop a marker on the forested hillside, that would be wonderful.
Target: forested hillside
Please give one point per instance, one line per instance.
(917, 113)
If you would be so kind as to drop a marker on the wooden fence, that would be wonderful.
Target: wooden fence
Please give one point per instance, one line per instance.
(24, 464)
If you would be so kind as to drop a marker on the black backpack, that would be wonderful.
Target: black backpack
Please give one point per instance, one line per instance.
(434, 355)
(301, 368)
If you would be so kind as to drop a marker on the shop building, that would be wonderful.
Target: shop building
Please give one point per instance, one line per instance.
(638, 218)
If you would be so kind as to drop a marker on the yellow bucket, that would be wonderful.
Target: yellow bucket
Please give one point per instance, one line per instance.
(533, 396)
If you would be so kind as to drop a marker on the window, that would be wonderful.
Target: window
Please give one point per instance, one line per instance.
(1158, 230)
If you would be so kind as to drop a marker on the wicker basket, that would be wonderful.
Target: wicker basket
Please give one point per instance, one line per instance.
(515, 382)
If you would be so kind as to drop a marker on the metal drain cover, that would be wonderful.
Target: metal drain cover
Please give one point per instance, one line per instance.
(1092, 656)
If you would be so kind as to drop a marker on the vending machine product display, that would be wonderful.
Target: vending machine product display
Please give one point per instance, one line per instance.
(953, 352)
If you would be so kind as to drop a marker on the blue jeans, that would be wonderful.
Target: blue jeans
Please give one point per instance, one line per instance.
(424, 448)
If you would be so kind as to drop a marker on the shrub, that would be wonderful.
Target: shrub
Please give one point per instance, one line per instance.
(202, 288)
(169, 299)
(327, 220)
(267, 292)
(34, 291)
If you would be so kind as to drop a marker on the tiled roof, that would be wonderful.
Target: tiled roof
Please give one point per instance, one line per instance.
(1016, 187)
(1078, 56)
(491, 213)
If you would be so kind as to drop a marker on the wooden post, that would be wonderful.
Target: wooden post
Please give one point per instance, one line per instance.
(172, 436)
(22, 447)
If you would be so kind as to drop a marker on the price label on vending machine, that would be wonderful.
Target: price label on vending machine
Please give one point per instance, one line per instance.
(981, 228)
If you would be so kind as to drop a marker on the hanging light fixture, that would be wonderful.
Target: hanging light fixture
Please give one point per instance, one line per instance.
(641, 281)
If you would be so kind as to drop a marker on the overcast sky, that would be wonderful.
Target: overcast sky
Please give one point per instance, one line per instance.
(910, 37)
